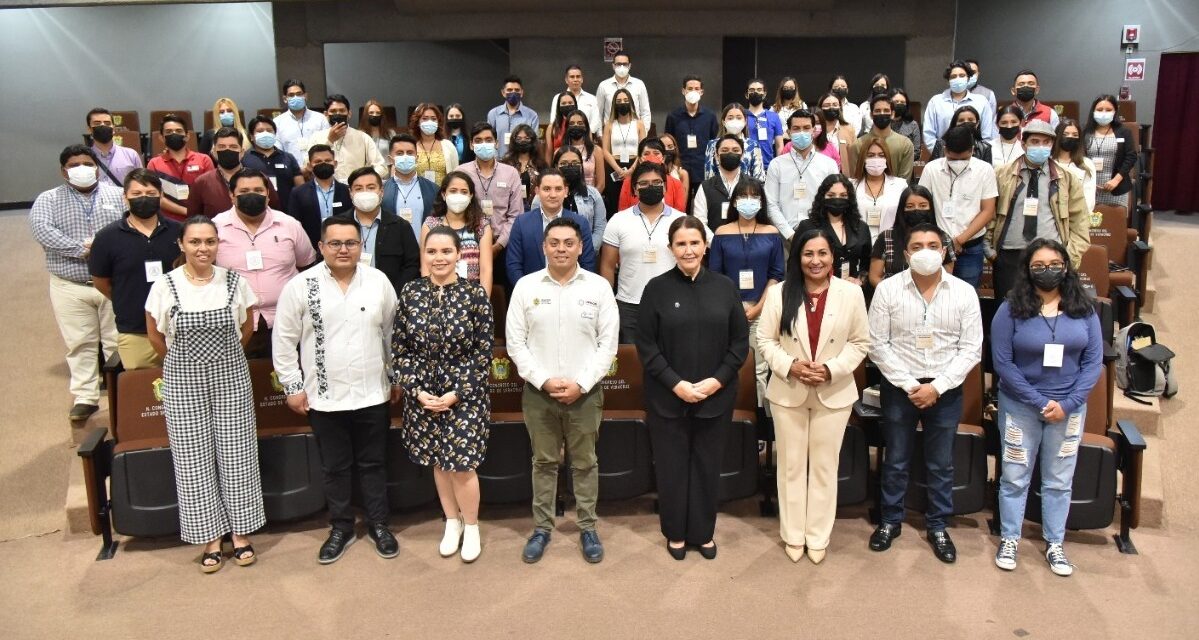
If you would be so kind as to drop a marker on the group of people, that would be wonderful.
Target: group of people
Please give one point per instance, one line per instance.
(364, 263)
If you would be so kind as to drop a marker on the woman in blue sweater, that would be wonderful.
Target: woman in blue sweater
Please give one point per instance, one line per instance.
(1048, 354)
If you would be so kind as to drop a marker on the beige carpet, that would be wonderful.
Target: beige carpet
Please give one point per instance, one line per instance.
(153, 588)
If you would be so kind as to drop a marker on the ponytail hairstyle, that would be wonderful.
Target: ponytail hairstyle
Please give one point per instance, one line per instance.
(187, 224)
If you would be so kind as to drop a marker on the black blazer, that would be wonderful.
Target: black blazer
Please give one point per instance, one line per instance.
(304, 206)
(856, 249)
(691, 330)
(397, 254)
(1126, 157)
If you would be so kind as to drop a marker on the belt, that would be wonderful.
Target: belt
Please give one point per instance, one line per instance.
(974, 242)
(925, 380)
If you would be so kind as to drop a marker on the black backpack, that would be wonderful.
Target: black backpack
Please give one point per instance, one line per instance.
(1143, 369)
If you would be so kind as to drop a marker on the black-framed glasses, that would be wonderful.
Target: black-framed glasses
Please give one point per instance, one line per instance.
(1055, 267)
(337, 245)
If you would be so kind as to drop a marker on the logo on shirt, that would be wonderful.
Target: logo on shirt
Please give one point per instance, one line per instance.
(541, 301)
(501, 368)
(157, 387)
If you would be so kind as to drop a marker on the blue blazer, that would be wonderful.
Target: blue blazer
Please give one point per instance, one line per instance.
(524, 253)
(428, 193)
(303, 205)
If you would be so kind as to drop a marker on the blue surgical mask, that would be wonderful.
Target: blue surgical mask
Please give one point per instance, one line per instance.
(958, 85)
(973, 81)
(264, 139)
(485, 150)
(428, 127)
(226, 119)
(405, 164)
(297, 103)
(1104, 117)
(801, 140)
(1037, 155)
(748, 207)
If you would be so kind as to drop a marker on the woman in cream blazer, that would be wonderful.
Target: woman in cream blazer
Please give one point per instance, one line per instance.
(813, 333)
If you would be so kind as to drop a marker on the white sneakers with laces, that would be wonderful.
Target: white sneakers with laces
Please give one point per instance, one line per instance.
(1005, 558)
(1058, 563)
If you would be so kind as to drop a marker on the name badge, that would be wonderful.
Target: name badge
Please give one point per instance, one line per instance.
(524, 191)
(844, 269)
(431, 176)
(274, 182)
(746, 279)
(153, 270)
(800, 191)
(193, 167)
(924, 338)
(588, 314)
(624, 157)
(692, 141)
(1120, 140)
(649, 255)
(1030, 207)
(762, 134)
(335, 205)
(1098, 163)
(280, 166)
(724, 210)
(461, 268)
(406, 214)
(874, 216)
(253, 261)
(488, 206)
(1053, 355)
(366, 258)
(507, 137)
(502, 185)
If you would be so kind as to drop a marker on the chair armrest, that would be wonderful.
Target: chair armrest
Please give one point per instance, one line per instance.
(91, 445)
(1110, 353)
(865, 412)
(1130, 436)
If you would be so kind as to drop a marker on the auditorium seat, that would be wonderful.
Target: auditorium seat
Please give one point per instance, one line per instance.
(626, 464)
(1128, 255)
(211, 123)
(506, 474)
(1065, 109)
(1095, 274)
(158, 144)
(126, 121)
(271, 112)
(409, 485)
(130, 138)
(740, 476)
(157, 115)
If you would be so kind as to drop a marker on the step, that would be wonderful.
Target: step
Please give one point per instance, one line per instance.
(1153, 508)
(76, 504)
(1148, 418)
(1150, 296)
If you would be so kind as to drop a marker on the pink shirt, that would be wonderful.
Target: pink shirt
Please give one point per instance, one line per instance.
(282, 245)
(503, 190)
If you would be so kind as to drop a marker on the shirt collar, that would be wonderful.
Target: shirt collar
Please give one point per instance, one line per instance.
(159, 228)
(231, 219)
(575, 277)
(327, 273)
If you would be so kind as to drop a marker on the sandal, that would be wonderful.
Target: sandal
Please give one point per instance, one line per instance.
(244, 556)
(217, 558)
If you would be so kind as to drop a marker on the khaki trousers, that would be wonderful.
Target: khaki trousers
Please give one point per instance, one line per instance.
(86, 321)
(137, 352)
(552, 425)
(808, 438)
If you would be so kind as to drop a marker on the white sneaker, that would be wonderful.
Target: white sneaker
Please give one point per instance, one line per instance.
(472, 546)
(453, 534)
(1057, 560)
(1005, 558)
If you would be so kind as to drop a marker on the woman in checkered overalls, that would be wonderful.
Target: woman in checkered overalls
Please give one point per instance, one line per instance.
(204, 311)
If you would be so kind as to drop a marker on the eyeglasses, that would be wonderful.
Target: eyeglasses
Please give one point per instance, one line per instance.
(571, 164)
(656, 183)
(337, 245)
(1042, 268)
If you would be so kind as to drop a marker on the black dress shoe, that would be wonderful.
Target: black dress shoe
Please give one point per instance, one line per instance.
(80, 412)
(335, 545)
(678, 553)
(709, 553)
(386, 544)
(882, 537)
(535, 547)
(593, 549)
(943, 546)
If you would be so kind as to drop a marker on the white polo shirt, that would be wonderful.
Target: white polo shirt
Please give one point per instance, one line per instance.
(644, 249)
(958, 198)
(791, 184)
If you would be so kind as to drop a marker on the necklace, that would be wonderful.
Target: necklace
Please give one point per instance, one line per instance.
(746, 234)
(814, 300)
(195, 278)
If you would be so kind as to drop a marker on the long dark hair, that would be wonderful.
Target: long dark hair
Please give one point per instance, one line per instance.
(818, 216)
(750, 189)
(907, 113)
(1106, 97)
(571, 191)
(899, 231)
(978, 121)
(1023, 298)
(588, 143)
(473, 212)
(535, 157)
(794, 292)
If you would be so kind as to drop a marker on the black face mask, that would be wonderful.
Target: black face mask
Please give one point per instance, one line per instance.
(228, 159)
(788, 94)
(1025, 94)
(668, 156)
(522, 146)
(576, 132)
(836, 206)
(840, 93)
(651, 195)
(175, 141)
(1008, 133)
(831, 115)
(730, 161)
(881, 120)
(573, 175)
(324, 171)
(375, 120)
(1049, 279)
(624, 109)
(454, 124)
(879, 88)
(564, 110)
(102, 134)
(917, 216)
(900, 110)
(756, 99)
(144, 207)
(338, 119)
(1068, 144)
(251, 204)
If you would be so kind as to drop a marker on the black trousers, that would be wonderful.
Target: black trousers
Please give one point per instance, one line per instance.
(259, 344)
(357, 438)
(628, 321)
(1003, 271)
(687, 458)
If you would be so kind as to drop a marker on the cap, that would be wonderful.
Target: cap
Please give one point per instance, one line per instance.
(1038, 126)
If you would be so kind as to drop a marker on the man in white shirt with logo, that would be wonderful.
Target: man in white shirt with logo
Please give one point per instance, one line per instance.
(792, 179)
(621, 63)
(562, 333)
(332, 352)
(964, 190)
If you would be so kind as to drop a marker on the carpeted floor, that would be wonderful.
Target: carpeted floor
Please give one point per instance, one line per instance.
(52, 587)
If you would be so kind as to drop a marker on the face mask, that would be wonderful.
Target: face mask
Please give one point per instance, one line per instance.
(264, 139)
(485, 150)
(925, 262)
(876, 166)
(840, 92)
(1104, 117)
(324, 171)
(957, 166)
(831, 115)
(879, 88)
(801, 140)
(651, 195)
(82, 176)
(900, 110)
(251, 204)
(144, 206)
(576, 132)
(973, 82)
(668, 157)
(730, 161)
(512, 97)
(787, 94)
(228, 159)
(375, 120)
(1037, 155)
(405, 164)
(522, 146)
(958, 85)
(692, 97)
(428, 127)
(623, 108)
(338, 119)
(881, 120)
(175, 141)
(573, 175)
(1008, 133)
(734, 126)
(917, 216)
(1025, 94)
(102, 134)
(453, 124)
(621, 70)
(297, 103)
(836, 206)
(1068, 144)
(457, 202)
(366, 200)
(226, 119)
(1049, 279)
(756, 99)
(748, 208)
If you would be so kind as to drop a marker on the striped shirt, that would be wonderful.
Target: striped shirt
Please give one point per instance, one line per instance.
(63, 219)
(900, 316)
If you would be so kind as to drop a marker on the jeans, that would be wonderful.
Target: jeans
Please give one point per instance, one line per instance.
(969, 264)
(940, 424)
(354, 439)
(1027, 437)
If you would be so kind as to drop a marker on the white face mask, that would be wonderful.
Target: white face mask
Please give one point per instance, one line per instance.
(622, 70)
(457, 202)
(734, 126)
(692, 97)
(82, 176)
(957, 166)
(876, 166)
(925, 262)
(366, 200)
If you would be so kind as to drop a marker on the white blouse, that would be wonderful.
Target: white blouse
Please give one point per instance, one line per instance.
(1085, 174)
(886, 203)
(205, 297)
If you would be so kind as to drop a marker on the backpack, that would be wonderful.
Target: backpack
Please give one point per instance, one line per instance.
(1143, 367)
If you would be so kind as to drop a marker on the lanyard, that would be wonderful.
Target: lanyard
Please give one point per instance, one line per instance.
(326, 200)
(404, 195)
(805, 166)
(649, 231)
(874, 196)
(1052, 327)
(1098, 140)
(954, 176)
(368, 232)
(1011, 148)
(486, 183)
(89, 206)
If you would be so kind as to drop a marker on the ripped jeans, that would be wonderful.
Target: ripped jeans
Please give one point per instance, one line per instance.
(1026, 436)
